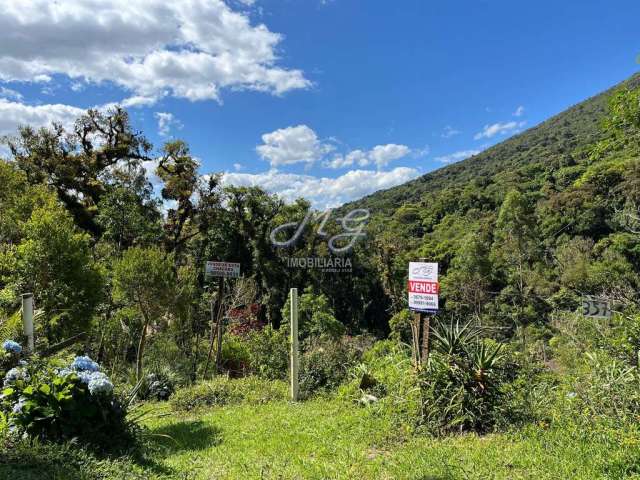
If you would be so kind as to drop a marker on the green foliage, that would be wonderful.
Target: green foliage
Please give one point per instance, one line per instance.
(316, 317)
(269, 353)
(52, 406)
(55, 262)
(467, 384)
(400, 326)
(225, 391)
(325, 363)
(144, 279)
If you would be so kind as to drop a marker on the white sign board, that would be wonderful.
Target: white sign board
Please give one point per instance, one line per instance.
(423, 286)
(593, 307)
(222, 269)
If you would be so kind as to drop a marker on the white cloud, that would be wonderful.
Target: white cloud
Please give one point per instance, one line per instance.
(457, 156)
(380, 156)
(186, 48)
(291, 145)
(519, 111)
(323, 192)
(10, 94)
(449, 132)
(167, 122)
(237, 167)
(15, 114)
(490, 131)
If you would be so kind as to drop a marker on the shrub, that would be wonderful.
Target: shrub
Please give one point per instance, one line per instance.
(9, 356)
(465, 385)
(325, 363)
(236, 356)
(269, 353)
(158, 386)
(224, 391)
(608, 389)
(59, 405)
(392, 381)
(316, 317)
(400, 325)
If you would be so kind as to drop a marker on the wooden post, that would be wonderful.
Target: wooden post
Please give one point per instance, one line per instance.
(426, 326)
(415, 339)
(219, 326)
(215, 336)
(294, 344)
(27, 320)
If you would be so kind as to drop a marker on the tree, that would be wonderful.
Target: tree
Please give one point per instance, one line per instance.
(128, 214)
(74, 162)
(466, 284)
(144, 279)
(54, 261)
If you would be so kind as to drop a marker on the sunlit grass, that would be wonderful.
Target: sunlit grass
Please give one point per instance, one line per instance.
(323, 439)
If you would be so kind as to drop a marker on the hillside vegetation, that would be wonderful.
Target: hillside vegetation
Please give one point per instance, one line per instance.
(146, 368)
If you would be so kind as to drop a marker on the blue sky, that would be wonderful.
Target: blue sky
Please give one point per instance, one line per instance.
(330, 99)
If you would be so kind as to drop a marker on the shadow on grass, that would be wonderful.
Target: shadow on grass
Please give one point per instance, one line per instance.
(188, 435)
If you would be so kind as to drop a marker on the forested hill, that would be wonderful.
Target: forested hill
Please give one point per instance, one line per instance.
(550, 145)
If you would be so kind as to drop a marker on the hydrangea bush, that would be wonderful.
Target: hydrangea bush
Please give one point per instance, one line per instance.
(76, 402)
(11, 347)
(9, 356)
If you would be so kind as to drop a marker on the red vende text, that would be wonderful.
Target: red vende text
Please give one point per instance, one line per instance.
(417, 286)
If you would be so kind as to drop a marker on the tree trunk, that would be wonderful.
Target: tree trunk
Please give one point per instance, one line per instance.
(141, 344)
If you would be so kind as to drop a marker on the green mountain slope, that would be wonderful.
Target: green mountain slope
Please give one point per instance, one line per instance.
(552, 144)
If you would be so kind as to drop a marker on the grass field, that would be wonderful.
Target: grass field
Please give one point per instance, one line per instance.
(324, 439)
(331, 439)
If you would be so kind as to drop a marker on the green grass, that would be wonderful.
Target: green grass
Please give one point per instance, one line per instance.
(331, 439)
(325, 439)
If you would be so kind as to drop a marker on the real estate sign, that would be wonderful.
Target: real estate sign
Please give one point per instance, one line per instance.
(222, 269)
(423, 286)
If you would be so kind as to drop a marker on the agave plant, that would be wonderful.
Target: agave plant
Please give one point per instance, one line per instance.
(454, 339)
(484, 359)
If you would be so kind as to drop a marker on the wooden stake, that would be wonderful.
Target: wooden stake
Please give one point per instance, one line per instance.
(426, 325)
(219, 326)
(294, 344)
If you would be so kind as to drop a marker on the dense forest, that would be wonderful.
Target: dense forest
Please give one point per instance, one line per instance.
(111, 234)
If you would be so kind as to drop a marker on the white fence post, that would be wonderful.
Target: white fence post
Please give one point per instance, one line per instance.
(294, 344)
(27, 320)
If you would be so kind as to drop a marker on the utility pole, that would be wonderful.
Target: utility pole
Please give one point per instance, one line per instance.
(294, 344)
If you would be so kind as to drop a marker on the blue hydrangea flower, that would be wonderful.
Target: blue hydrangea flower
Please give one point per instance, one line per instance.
(100, 384)
(85, 377)
(17, 408)
(22, 363)
(84, 364)
(16, 374)
(12, 347)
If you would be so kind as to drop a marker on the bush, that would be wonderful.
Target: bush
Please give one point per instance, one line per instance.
(316, 317)
(224, 391)
(400, 325)
(60, 405)
(158, 386)
(269, 353)
(608, 389)
(387, 374)
(467, 383)
(325, 363)
(236, 356)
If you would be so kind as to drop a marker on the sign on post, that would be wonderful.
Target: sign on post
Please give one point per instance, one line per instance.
(222, 269)
(593, 307)
(423, 286)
